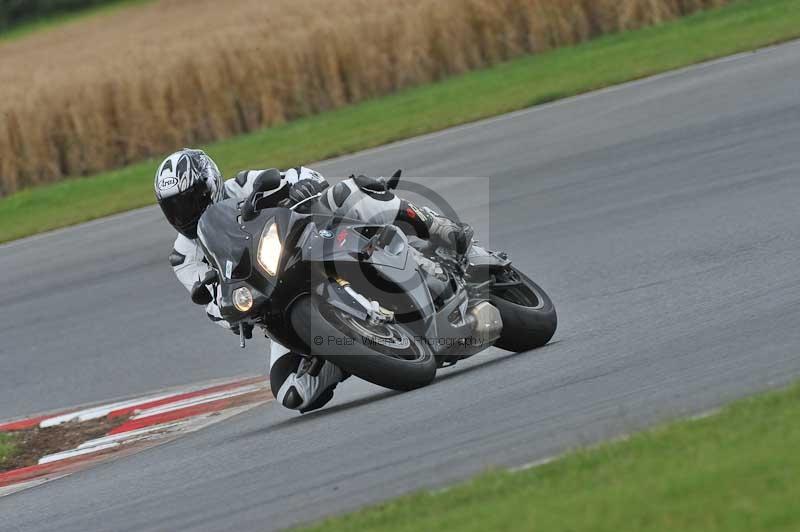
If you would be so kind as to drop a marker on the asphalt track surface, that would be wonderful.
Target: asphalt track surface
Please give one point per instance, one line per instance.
(662, 216)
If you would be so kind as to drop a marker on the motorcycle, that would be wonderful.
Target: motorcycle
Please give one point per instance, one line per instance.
(382, 305)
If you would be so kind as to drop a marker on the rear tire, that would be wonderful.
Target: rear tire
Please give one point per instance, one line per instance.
(387, 355)
(529, 317)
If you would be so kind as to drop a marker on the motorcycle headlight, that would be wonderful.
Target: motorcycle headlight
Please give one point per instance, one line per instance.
(242, 299)
(269, 249)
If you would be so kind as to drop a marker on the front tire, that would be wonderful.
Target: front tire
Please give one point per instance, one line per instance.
(529, 317)
(388, 355)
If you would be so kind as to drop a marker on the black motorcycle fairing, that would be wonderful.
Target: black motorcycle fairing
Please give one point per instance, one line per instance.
(317, 250)
(231, 245)
(379, 268)
(375, 260)
(406, 291)
(451, 326)
(225, 243)
(347, 242)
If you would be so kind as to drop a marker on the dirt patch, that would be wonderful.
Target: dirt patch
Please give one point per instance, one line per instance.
(37, 442)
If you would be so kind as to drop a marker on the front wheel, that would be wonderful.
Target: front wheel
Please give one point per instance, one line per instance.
(529, 317)
(389, 355)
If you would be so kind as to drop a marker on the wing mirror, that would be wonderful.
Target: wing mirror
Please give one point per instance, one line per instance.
(394, 180)
(266, 180)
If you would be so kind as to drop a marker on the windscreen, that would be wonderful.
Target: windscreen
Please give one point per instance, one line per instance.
(225, 243)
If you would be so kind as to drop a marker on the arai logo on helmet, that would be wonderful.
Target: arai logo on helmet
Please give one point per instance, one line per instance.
(167, 182)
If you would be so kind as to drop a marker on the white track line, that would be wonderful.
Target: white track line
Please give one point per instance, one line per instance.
(194, 401)
(74, 452)
(19, 486)
(96, 412)
(101, 411)
(622, 437)
(133, 434)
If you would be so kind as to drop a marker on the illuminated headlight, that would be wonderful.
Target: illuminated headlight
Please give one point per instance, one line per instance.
(242, 299)
(269, 249)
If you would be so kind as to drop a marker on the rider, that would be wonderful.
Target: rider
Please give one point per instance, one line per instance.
(188, 181)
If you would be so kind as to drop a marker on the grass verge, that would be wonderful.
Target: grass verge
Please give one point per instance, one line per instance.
(8, 448)
(735, 471)
(531, 80)
(49, 21)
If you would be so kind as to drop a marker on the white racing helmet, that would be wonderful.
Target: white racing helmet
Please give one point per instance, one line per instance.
(186, 183)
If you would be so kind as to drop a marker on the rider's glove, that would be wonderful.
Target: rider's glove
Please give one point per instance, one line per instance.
(304, 189)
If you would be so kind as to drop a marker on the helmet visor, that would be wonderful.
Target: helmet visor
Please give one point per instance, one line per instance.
(184, 210)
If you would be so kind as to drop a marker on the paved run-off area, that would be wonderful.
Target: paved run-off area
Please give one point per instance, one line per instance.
(661, 216)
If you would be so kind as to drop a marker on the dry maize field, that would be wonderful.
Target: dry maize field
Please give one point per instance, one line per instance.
(109, 90)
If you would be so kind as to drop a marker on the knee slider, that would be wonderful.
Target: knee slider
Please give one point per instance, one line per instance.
(292, 399)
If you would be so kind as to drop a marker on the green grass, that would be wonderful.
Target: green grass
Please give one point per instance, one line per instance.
(8, 447)
(525, 82)
(735, 471)
(50, 21)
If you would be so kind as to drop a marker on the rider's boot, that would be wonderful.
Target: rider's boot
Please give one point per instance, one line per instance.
(302, 383)
(444, 231)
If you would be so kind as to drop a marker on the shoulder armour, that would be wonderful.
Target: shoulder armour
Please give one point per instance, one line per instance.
(340, 193)
(241, 177)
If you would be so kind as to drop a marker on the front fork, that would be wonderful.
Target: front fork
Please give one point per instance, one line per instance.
(342, 296)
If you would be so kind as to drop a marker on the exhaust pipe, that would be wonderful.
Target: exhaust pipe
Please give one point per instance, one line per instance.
(486, 323)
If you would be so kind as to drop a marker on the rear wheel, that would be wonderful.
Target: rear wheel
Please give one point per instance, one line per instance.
(529, 317)
(389, 355)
